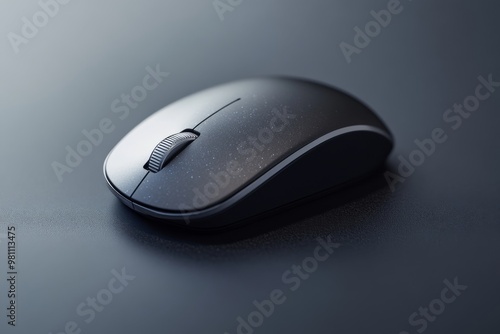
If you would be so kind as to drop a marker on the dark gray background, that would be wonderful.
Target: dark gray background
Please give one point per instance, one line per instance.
(396, 247)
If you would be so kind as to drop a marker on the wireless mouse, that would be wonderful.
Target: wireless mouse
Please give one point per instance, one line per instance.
(245, 148)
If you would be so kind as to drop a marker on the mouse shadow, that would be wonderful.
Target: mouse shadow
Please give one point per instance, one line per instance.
(330, 214)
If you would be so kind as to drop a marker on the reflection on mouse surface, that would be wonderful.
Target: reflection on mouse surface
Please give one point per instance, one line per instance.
(244, 148)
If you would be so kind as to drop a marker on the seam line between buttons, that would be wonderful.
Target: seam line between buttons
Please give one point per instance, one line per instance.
(227, 105)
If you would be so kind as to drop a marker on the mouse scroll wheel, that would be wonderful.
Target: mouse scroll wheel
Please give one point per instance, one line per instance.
(167, 149)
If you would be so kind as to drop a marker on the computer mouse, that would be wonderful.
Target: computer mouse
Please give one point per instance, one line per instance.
(245, 148)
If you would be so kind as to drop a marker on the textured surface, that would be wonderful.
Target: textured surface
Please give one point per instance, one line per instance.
(239, 146)
(396, 248)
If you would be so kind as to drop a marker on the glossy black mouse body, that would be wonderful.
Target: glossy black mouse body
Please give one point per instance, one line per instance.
(243, 148)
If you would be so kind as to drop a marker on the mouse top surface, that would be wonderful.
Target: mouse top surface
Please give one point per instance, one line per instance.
(209, 151)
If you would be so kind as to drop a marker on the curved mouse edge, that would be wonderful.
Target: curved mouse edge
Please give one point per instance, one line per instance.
(340, 90)
(118, 194)
(188, 217)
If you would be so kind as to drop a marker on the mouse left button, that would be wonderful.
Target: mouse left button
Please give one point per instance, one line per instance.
(122, 177)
